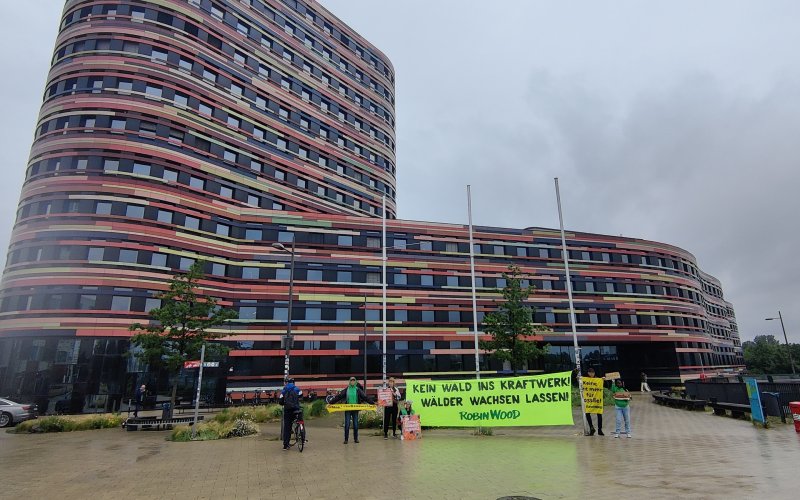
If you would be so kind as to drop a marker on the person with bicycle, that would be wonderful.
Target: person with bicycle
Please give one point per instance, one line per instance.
(352, 394)
(289, 398)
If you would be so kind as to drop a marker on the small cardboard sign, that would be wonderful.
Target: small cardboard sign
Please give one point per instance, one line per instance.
(411, 427)
(385, 397)
(612, 376)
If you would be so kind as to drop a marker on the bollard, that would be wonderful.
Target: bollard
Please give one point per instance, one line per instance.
(794, 407)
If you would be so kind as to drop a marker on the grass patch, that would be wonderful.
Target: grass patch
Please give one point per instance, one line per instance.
(483, 431)
(68, 423)
(214, 429)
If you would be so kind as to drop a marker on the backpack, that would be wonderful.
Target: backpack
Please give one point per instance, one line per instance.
(291, 398)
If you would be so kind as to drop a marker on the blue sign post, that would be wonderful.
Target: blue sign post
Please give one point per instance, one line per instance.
(753, 395)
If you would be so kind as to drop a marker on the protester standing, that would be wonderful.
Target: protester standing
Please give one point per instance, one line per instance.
(352, 395)
(622, 408)
(390, 412)
(590, 374)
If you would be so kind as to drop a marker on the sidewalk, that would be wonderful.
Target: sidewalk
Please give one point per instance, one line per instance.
(673, 454)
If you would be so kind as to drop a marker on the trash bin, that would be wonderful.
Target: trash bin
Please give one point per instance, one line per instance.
(794, 407)
(166, 411)
(772, 405)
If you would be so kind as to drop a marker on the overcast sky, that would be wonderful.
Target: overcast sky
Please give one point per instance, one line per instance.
(673, 121)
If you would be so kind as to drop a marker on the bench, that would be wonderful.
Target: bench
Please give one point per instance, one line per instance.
(689, 404)
(188, 406)
(737, 410)
(153, 423)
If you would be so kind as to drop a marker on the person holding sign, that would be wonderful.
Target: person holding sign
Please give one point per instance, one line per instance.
(622, 400)
(352, 395)
(593, 400)
(406, 412)
(390, 409)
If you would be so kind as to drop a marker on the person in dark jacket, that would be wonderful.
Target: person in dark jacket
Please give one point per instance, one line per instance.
(352, 395)
(390, 412)
(290, 400)
(141, 394)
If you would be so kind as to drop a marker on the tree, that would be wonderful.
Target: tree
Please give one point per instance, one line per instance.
(766, 354)
(179, 327)
(511, 326)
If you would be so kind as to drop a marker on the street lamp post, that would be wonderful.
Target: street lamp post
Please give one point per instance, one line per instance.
(288, 338)
(785, 339)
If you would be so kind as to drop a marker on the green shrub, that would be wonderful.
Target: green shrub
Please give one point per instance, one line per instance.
(69, 424)
(317, 408)
(483, 431)
(214, 429)
(370, 419)
(259, 414)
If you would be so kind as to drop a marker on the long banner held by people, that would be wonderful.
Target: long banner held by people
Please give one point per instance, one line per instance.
(514, 401)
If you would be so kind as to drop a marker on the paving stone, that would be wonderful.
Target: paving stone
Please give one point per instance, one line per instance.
(674, 454)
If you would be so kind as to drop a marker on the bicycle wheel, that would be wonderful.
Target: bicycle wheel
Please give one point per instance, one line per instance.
(293, 435)
(300, 437)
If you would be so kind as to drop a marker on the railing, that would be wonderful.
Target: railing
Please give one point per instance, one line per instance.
(733, 391)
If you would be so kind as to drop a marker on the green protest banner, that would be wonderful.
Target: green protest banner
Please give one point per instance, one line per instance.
(517, 401)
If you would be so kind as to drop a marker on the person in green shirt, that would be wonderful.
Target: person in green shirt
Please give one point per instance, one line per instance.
(622, 408)
(352, 395)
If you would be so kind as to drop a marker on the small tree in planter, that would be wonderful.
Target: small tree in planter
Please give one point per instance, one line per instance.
(511, 326)
(179, 327)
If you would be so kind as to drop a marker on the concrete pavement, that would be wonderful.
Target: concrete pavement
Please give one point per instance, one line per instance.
(674, 453)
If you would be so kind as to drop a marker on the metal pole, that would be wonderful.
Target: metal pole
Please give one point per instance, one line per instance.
(788, 347)
(289, 339)
(472, 279)
(383, 212)
(199, 385)
(365, 343)
(571, 310)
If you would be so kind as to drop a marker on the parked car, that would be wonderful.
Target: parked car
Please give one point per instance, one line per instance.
(14, 413)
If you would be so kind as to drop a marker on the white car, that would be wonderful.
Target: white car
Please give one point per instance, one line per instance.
(14, 413)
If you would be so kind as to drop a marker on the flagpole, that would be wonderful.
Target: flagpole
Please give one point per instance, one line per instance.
(472, 276)
(384, 291)
(571, 310)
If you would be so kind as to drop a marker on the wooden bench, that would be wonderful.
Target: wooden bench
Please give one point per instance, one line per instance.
(689, 404)
(153, 423)
(737, 410)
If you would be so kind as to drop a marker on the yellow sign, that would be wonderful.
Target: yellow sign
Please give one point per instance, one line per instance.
(517, 401)
(346, 407)
(593, 394)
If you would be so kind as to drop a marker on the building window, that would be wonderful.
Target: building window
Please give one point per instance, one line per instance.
(135, 211)
(120, 303)
(185, 263)
(314, 275)
(373, 278)
(218, 269)
(343, 314)
(250, 273)
(192, 222)
(128, 256)
(158, 260)
(345, 240)
(344, 276)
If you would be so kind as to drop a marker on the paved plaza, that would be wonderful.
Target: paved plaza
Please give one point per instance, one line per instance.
(673, 454)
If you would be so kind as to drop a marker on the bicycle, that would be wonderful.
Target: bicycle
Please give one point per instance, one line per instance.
(298, 435)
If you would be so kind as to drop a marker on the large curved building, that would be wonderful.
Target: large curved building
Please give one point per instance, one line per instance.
(178, 130)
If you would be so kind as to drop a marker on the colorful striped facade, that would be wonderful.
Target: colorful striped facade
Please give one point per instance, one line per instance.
(175, 130)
